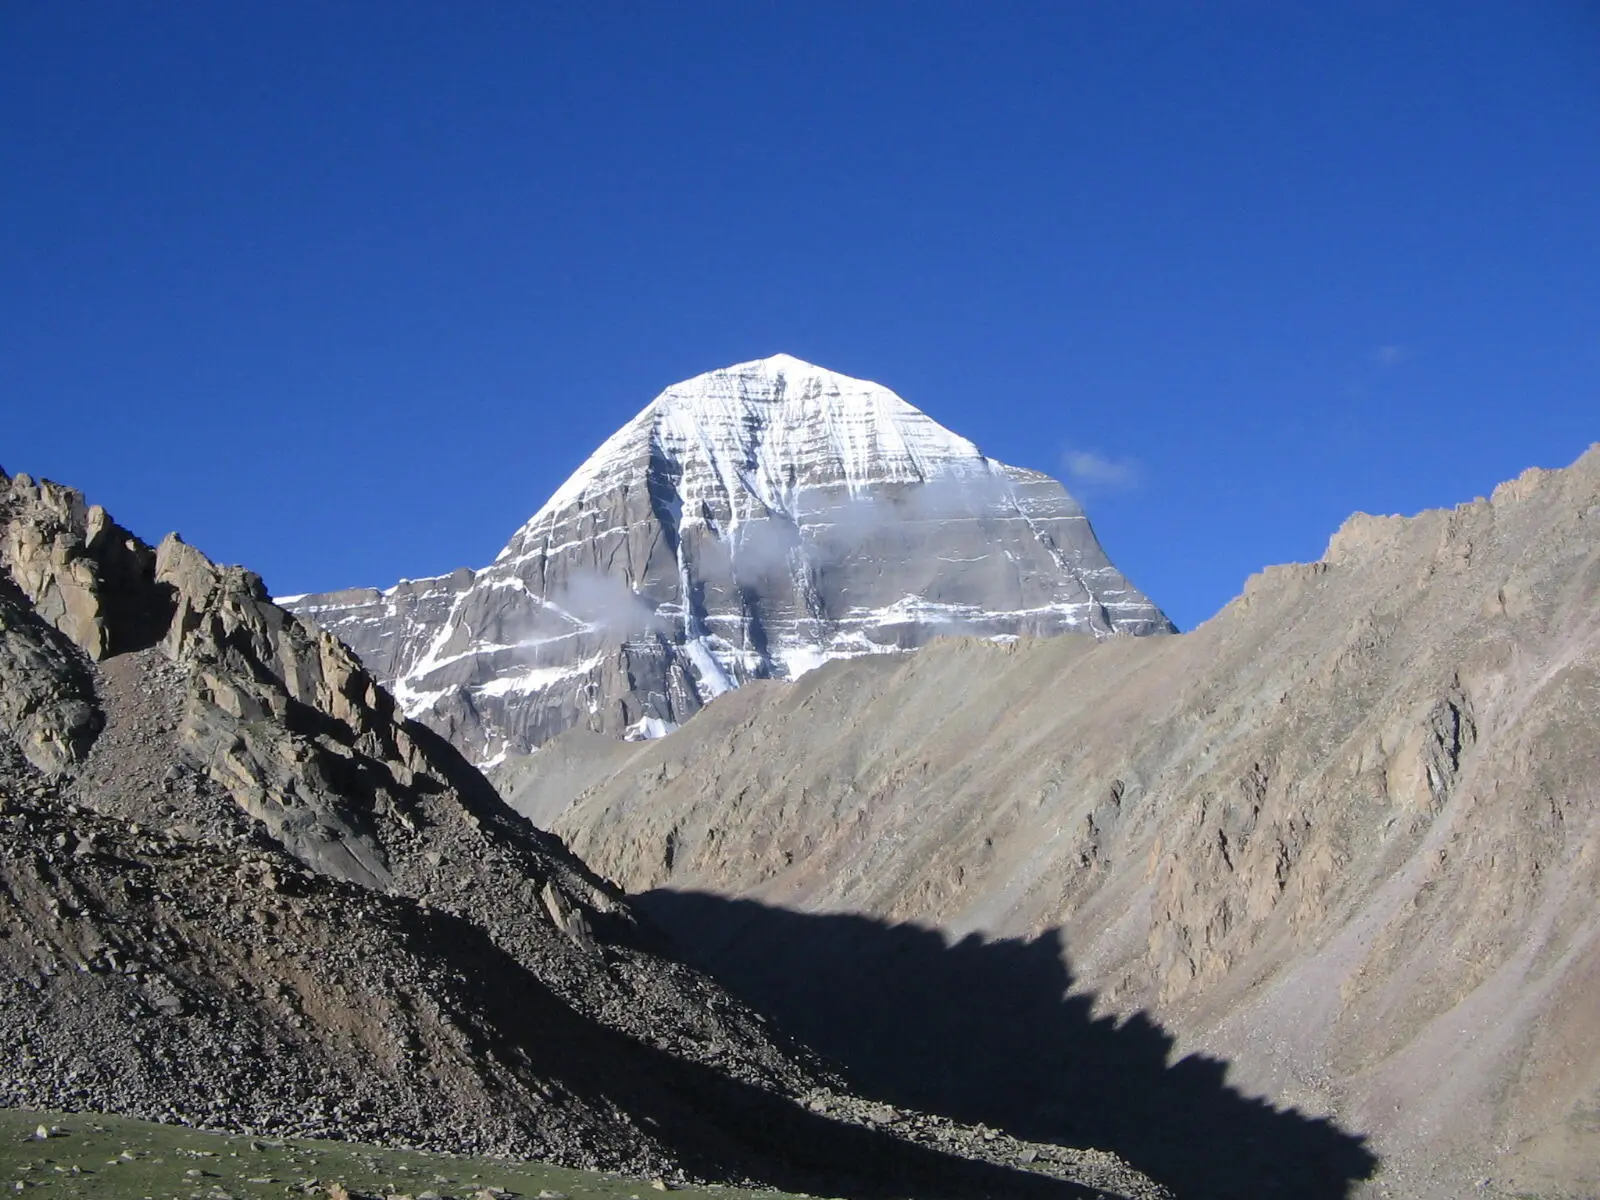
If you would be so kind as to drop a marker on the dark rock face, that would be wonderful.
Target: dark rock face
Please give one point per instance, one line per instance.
(751, 523)
(43, 686)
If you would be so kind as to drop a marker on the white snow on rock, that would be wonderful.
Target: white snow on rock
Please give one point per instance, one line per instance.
(756, 521)
(755, 429)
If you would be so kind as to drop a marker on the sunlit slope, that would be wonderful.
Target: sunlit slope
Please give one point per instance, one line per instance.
(1343, 835)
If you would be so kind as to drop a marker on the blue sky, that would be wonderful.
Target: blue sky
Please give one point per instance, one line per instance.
(343, 291)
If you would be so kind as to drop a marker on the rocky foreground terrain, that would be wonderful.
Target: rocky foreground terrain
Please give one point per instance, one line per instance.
(1338, 848)
(238, 889)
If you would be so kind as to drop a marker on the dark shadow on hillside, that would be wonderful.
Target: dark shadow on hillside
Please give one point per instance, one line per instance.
(985, 1032)
(715, 1125)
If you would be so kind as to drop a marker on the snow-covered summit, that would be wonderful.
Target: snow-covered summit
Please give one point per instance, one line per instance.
(764, 428)
(753, 522)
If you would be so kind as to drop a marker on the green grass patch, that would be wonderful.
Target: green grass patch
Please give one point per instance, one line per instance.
(118, 1158)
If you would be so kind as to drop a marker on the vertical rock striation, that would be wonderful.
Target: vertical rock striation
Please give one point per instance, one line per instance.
(750, 523)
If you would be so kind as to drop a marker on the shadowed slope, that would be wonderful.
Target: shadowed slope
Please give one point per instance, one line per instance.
(987, 1032)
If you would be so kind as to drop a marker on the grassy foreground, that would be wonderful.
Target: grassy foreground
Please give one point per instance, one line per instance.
(122, 1159)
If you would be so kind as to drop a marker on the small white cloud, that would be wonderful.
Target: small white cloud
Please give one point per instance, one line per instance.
(1089, 470)
(1390, 356)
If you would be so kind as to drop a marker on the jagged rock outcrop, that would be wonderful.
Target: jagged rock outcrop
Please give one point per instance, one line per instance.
(287, 742)
(1345, 835)
(238, 888)
(750, 523)
(42, 689)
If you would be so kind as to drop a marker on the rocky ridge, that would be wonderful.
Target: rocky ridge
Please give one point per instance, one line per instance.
(750, 523)
(1344, 837)
(238, 889)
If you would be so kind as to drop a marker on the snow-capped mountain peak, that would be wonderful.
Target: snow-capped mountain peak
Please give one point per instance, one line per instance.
(754, 521)
(760, 426)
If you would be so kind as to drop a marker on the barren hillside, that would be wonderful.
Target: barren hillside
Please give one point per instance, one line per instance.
(237, 890)
(1344, 837)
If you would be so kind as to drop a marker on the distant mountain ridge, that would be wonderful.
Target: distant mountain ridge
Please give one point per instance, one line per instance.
(753, 522)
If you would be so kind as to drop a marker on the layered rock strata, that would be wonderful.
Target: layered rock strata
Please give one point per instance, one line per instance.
(750, 523)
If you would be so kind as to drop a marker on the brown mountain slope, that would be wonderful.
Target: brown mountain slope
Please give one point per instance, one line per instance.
(236, 889)
(1345, 835)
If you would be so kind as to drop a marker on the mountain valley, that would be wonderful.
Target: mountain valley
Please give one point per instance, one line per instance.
(1064, 903)
(1340, 841)
(238, 890)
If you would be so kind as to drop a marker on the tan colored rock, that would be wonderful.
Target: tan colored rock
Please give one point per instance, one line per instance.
(48, 560)
(1344, 836)
(44, 694)
(293, 922)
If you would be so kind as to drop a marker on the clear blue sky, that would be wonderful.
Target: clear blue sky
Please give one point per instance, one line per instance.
(344, 290)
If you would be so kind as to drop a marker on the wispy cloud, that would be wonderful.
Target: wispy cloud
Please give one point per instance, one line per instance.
(1091, 471)
(1369, 370)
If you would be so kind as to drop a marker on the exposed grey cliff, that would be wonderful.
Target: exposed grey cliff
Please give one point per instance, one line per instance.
(751, 523)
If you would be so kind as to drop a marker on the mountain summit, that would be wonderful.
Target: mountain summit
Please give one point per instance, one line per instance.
(752, 522)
